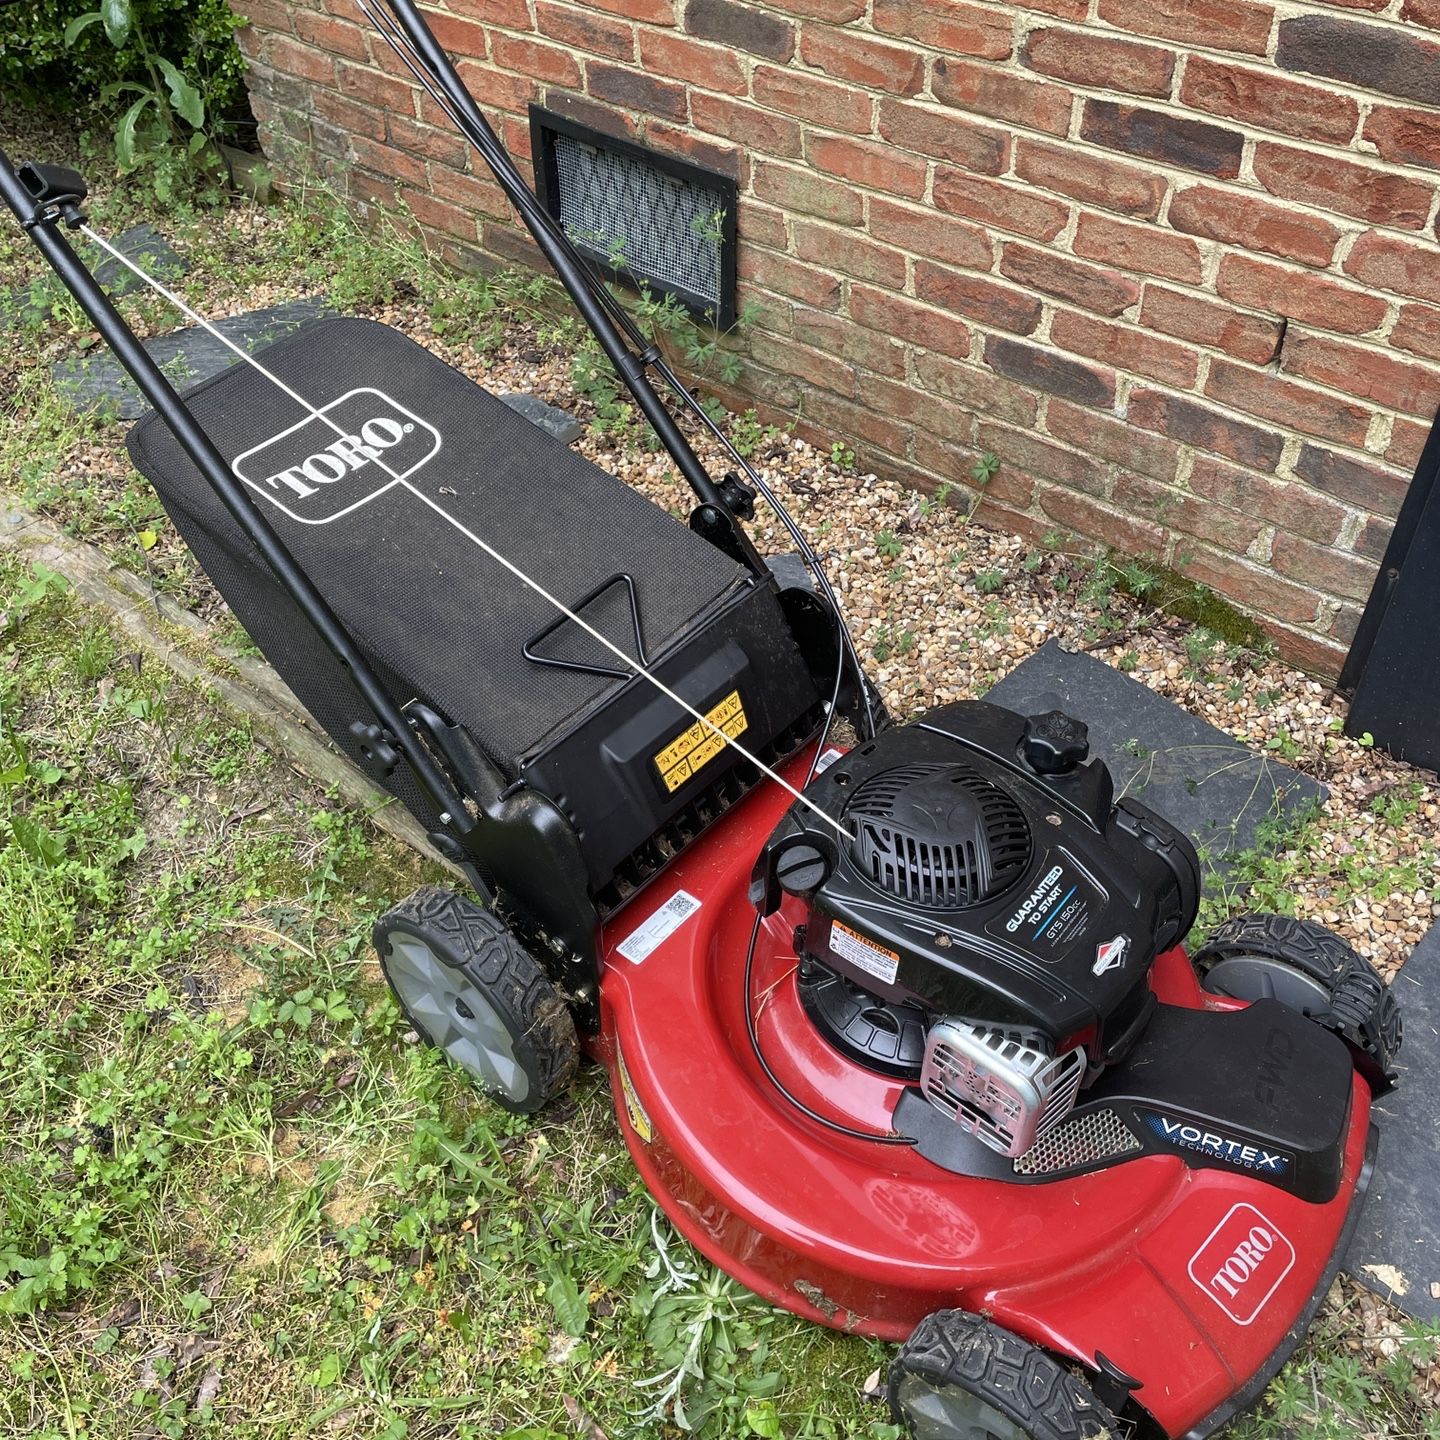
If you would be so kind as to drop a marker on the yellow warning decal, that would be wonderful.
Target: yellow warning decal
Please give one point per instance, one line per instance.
(634, 1110)
(690, 751)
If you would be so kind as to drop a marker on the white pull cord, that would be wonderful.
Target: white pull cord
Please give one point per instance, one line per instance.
(489, 550)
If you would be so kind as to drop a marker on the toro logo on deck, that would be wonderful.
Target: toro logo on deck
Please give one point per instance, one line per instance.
(323, 468)
(1242, 1263)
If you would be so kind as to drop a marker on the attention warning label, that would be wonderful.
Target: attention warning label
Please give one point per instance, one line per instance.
(696, 747)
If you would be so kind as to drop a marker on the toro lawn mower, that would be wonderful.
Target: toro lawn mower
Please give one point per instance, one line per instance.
(902, 1035)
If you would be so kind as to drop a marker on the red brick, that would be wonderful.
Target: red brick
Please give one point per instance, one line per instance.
(1299, 295)
(597, 117)
(1252, 224)
(1209, 24)
(634, 91)
(849, 55)
(648, 12)
(481, 196)
(849, 253)
(354, 117)
(742, 26)
(332, 35)
(427, 142)
(1061, 9)
(770, 271)
(1182, 512)
(1091, 178)
(747, 125)
(1405, 137)
(1047, 370)
(955, 462)
(1421, 12)
(1107, 292)
(1035, 104)
(948, 25)
(467, 37)
(997, 306)
(1125, 348)
(708, 67)
(1085, 57)
(977, 388)
(1371, 374)
(1170, 139)
(1407, 440)
(1400, 266)
(1247, 337)
(839, 335)
(1287, 503)
(1354, 481)
(1124, 532)
(1296, 407)
(1143, 249)
(864, 162)
(498, 89)
(440, 215)
(1106, 438)
(301, 61)
(923, 232)
(387, 160)
(1193, 423)
(1418, 330)
(535, 60)
(814, 367)
(584, 30)
(1249, 585)
(838, 12)
(914, 407)
(708, 154)
(945, 135)
(1007, 207)
(841, 418)
(1304, 650)
(1332, 184)
(1034, 456)
(1331, 570)
(905, 320)
(1269, 101)
(1374, 538)
(804, 191)
(838, 107)
(762, 225)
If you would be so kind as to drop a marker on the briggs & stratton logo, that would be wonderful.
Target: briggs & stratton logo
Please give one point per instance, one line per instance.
(1241, 1264)
(321, 469)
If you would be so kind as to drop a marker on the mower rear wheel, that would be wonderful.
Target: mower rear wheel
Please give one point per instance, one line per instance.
(470, 989)
(1255, 957)
(959, 1377)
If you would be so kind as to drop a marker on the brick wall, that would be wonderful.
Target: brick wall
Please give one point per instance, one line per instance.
(1173, 261)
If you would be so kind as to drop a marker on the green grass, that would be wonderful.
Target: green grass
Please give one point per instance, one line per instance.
(223, 1162)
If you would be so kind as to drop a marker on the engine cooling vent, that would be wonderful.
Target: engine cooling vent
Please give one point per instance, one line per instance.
(942, 836)
(1088, 1139)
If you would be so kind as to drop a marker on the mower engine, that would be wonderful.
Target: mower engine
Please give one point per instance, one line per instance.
(988, 928)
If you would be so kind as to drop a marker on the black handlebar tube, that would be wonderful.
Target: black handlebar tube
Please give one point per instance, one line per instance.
(630, 367)
(43, 226)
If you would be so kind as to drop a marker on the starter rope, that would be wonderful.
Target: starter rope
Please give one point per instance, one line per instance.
(169, 295)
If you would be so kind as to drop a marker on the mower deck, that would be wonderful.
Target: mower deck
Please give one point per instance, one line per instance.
(1136, 1261)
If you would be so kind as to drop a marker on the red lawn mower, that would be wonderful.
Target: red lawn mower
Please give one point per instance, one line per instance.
(901, 1034)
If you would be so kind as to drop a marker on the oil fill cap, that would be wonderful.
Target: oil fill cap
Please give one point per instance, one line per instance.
(1055, 743)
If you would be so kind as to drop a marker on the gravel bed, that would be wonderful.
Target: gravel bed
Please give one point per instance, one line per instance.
(941, 605)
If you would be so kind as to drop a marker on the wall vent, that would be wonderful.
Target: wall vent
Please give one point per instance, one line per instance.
(642, 219)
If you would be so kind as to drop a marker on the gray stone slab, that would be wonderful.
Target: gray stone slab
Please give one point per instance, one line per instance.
(557, 422)
(1213, 787)
(1396, 1249)
(187, 356)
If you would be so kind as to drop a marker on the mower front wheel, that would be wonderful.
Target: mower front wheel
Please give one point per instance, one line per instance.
(959, 1377)
(1311, 969)
(469, 989)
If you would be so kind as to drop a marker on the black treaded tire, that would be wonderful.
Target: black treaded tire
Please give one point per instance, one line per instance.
(471, 990)
(996, 1384)
(1337, 988)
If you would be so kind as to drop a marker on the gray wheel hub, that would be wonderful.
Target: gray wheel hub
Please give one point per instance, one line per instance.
(946, 1412)
(1263, 977)
(456, 1015)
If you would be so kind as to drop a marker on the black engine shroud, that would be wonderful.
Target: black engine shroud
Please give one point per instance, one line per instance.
(991, 876)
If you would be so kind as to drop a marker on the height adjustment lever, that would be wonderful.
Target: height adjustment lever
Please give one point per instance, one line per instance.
(56, 190)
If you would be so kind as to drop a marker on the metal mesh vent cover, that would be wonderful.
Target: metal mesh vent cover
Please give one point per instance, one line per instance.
(652, 220)
(1083, 1140)
(907, 849)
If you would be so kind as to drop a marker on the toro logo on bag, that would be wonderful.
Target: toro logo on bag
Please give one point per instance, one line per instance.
(1242, 1263)
(320, 469)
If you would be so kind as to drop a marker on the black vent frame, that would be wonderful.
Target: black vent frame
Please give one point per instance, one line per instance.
(929, 872)
(705, 289)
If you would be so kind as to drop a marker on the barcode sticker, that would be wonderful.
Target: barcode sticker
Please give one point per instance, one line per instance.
(828, 759)
(641, 943)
